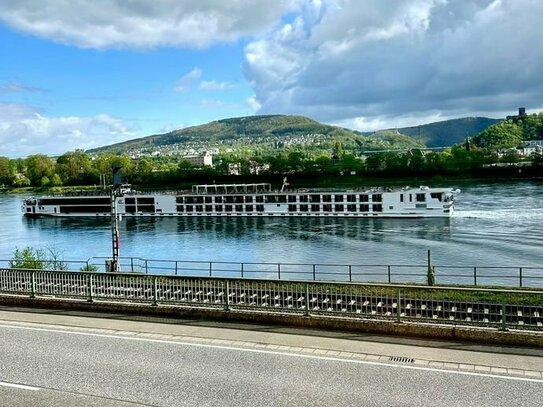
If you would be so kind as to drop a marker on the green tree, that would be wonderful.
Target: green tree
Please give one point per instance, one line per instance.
(39, 166)
(505, 134)
(7, 171)
(74, 167)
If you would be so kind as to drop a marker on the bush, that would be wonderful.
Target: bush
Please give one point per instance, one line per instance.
(37, 259)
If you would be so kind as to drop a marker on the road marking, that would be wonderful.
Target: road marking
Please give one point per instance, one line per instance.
(271, 352)
(19, 386)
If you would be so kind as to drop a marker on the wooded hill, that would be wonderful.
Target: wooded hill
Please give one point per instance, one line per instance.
(280, 130)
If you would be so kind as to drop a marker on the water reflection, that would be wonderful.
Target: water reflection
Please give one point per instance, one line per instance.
(265, 228)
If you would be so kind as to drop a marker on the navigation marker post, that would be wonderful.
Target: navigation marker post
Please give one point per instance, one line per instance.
(115, 237)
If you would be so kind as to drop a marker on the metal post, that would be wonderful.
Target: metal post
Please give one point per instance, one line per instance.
(155, 289)
(475, 276)
(210, 268)
(350, 274)
(503, 326)
(306, 299)
(33, 284)
(314, 273)
(398, 308)
(89, 287)
(278, 271)
(132, 264)
(146, 268)
(227, 295)
(176, 267)
(241, 270)
(520, 276)
(389, 278)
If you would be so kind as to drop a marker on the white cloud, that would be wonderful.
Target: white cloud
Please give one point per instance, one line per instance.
(183, 83)
(142, 23)
(253, 103)
(214, 85)
(387, 61)
(211, 103)
(25, 130)
(16, 87)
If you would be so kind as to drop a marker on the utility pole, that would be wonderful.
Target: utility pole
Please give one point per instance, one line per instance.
(115, 237)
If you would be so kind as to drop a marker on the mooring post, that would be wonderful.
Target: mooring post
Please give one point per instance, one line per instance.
(431, 270)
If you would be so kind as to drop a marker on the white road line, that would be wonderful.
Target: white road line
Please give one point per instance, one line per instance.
(19, 386)
(270, 352)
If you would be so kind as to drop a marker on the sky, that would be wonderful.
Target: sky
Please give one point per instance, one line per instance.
(77, 74)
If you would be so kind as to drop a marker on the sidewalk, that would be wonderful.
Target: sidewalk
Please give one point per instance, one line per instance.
(430, 353)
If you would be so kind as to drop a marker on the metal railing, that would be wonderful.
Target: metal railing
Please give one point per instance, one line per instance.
(507, 276)
(502, 309)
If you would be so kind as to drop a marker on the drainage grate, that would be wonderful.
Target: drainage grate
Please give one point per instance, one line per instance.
(402, 359)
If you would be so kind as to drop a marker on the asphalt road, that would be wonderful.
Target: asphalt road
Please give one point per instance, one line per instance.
(67, 368)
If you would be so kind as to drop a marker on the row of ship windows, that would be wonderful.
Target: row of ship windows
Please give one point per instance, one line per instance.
(291, 208)
(277, 198)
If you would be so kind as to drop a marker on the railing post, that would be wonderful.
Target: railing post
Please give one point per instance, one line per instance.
(278, 271)
(398, 308)
(32, 284)
(475, 276)
(314, 273)
(132, 264)
(210, 268)
(241, 270)
(306, 299)
(146, 268)
(503, 326)
(226, 295)
(176, 267)
(89, 287)
(155, 289)
(350, 274)
(520, 276)
(388, 271)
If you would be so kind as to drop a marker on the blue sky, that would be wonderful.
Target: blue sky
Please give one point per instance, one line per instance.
(81, 74)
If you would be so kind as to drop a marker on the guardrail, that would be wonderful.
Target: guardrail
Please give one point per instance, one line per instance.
(507, 276)
(502, 309)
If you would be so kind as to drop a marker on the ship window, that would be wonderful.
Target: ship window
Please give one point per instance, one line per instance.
(248, 199)
(228, 208)
(189, 199)
(282, 198)
(437, 195)
(292, 208)
(199, 208)
(338, 198)
(303, 208)
(315, 208)
(327, 208)
(238, 199)
(292, 198)
(132, 208)
(218, 208)
(390, 207)
(364, 198)
(260, 208)
(218, 199)
(249, 208)
(180, 208)
(199, 199)
(304, 198)
(410, 198)
(208, 199)
(327, 198)
(178, 199)
(351, 198)
(401, 197)
(229, 199)
(239, 208)
(377, 208)
(377, 198)
(421, 197)
(188, 208)
(351, 208)
(209, 208)
(364, 208)
(270, 198)
(315, 198)
(339, 208)
(130, 201)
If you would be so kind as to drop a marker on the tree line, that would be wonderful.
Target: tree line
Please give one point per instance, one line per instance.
(493, 146)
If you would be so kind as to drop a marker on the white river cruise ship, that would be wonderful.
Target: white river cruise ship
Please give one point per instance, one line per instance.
(253, 200)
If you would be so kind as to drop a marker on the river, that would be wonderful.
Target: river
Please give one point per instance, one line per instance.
(495, 224)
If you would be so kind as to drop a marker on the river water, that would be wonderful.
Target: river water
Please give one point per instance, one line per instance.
(497, 224)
